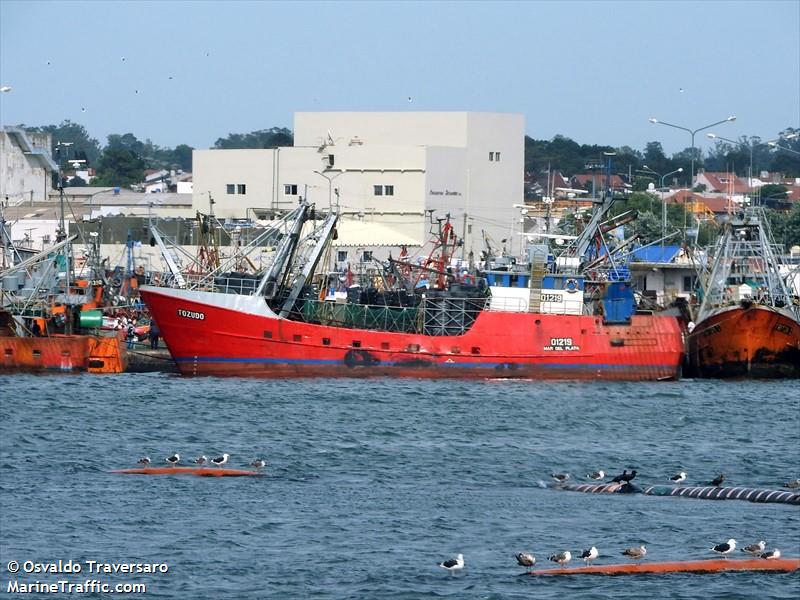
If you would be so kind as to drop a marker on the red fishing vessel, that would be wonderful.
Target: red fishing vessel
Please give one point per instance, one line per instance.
(276, 325)
(749, 322)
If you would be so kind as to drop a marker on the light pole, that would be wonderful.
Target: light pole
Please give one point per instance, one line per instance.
(663, 200)
(784, 148)
(692, 132)
(330, 185)
(714, 136)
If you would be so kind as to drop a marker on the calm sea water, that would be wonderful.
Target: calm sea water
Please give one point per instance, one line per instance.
(371, 483)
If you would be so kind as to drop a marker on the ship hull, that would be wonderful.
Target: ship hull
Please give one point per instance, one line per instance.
(230, 335)
(65, 353)
(746, 341)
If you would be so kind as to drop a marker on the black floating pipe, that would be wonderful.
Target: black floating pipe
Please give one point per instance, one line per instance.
(703, 493)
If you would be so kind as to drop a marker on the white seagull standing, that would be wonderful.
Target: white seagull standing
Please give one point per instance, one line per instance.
(453, 564)
(220, 460)
(525, 559)
(725, 548)
(589, 555)
(561, 558)
(679, 478)
(755, 549)
(174, 459)
(597, 475)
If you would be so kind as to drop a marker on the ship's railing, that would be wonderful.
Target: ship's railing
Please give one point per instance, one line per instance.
(439, 316)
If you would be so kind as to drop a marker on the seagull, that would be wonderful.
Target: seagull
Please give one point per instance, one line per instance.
(635, 552)
(792, 485)
(220, 460)
(560, 477)
(524, 559)
(174, 459)
(453, 564)
(772, 554)
(755, 549)
(625, 477)
(717, 481)
(561, 558)
(260, 463)
(597, 475)
(200, 460)
(145, 460)
(726, 548)
(679, 478)
(589, 555)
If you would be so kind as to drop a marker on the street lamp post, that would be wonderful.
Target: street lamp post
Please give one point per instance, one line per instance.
(330, 186)
(663, 200)
(784, 148)
(692, 132)
(714, 136)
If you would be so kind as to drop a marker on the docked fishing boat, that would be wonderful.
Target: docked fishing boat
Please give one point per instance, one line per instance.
(748, 324)
(50, 318)
(564, 324)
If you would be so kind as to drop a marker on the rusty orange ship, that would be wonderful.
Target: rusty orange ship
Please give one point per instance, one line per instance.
(749, 321)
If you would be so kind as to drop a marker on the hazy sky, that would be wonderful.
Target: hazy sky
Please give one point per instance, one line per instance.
(593, 71)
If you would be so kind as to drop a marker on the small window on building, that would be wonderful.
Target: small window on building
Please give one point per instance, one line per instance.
(378, 190)
(491, 156)
(330, 160)
(367, 256)
(241, 189)
(290, 189)
(341, 256)
(496, 157)
(388, 190)
(230, 188)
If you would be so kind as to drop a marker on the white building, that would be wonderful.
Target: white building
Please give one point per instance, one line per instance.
(26, 166)
(385, 172)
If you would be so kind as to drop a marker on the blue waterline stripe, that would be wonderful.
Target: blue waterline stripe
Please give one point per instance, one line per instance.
(309, 361)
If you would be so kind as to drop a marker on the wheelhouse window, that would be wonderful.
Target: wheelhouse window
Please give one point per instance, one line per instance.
(290, 189)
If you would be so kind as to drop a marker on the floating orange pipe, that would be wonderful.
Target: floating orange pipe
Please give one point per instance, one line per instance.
(201, 471)
(710, 565)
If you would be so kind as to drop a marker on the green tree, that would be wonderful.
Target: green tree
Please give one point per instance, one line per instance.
(119, 167)
(182, 157)
(265, 138)
(71, 141)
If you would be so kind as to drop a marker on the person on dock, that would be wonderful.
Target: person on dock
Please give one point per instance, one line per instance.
(130, 334)
(154, 334)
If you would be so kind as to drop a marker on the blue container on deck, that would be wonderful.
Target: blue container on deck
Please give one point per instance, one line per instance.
(618, 302)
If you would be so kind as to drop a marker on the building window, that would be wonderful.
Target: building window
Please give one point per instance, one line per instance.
(341, 256)
(494, 157)
(290, 189)
(241, 189)
(378, 190)
(688, 284)
(388, 190)
(330, 160)
(230, 188)
(367, 256)
(491, 156)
